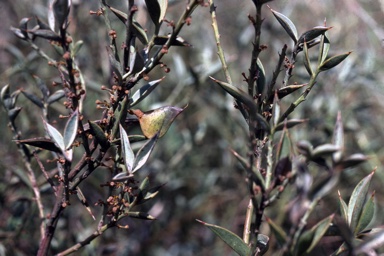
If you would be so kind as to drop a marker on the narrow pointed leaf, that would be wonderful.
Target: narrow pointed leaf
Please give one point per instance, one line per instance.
(34, 99)
(289, 124)
(279, 233)
(70, 130)
(42, 143)
(84, 202)
(55, 135)
(324, 48)
(121, 177)
(376, 241)
(154, 11)
(140, 32)
(357, 201)
(286, 90)
(319, 231)
(287, 24)
(47, 34)
(255, 174)
(144, 91)
(244, 98)
(324, 150)
(144, 153)
(55, 96)
(353, 160)
(128, 155)
(99, 134)
(261, 80)
(333, 61)
(307, 62)
(343, 208)
(312, 34)
(178, 41)
(61, 10)
(230, 238)
(42, 87)
(366, 214)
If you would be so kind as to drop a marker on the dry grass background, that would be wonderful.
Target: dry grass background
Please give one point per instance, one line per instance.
(202, 178)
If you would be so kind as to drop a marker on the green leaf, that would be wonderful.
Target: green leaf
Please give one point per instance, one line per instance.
(289, 124)
(143, 92)
(286, 90)
(255, 174)
(333, 61)
(70, 130)
(287, 24)
(231, 239)
(318, 231)
(76, 48)
(324, 48)
(312, 34)
(366, 215)
(99, 135)
(84, 202)
(279, 233)
(357, 201)
(128, 155)
(307, 62)
(144, 153)
(244, 98)
(343, 207)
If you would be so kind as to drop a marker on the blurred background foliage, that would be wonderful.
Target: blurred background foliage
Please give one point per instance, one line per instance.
(193, 160)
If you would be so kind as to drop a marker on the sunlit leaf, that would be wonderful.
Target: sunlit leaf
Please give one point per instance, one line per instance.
(144, 91)
(343, 208)
(70, 130)
(287, 24)
(338, 138)
(128, 155)
(230, 238)
(333, 61)
(357, 201)
(55, 135)
(144, 153)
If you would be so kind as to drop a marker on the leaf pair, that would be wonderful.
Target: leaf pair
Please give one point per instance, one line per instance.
(132, 162)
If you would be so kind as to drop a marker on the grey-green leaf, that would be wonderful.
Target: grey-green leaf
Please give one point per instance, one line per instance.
(70, 130)
(57, 95)
(287, 24)
(144, 153)
(333, 61)
(343, 207)
(312, 34)
(143, 92)
(366, 215)
(99, 134)
(34, 99)
(289, 124)
(140, 32)
(279, 233)
(230, 238)
(307, 62)
(128, 155)
(357, 201)
(319, 231)
(55, 135)
(244, 98)
(324, 150)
